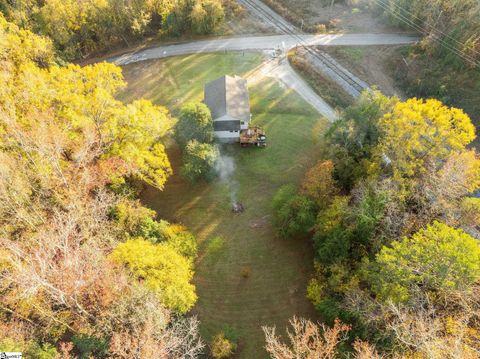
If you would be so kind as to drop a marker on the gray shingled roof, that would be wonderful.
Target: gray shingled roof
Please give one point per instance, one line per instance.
(228, 96)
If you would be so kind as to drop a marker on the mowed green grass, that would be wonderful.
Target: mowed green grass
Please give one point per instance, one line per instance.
(246, 277)
(173, 81)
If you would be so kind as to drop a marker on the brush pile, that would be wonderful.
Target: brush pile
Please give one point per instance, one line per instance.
(237, 208)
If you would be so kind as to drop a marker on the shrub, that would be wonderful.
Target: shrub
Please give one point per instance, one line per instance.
(221, 347)
(194, 123)
(199, 161)
(246, 272)
(293, 213)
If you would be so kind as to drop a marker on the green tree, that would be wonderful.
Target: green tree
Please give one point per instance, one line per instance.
(199, 160)
(352, 139)
(293, 213)
(162, 269)
(437, 258)
(332, 237)
(194, 123)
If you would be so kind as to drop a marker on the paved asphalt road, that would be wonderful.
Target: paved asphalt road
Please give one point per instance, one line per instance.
(261, 43)
(282, 71)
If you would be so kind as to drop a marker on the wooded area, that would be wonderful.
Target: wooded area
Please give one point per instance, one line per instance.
(393, 222)
(78, 28)
(387, 202)
(85, 269)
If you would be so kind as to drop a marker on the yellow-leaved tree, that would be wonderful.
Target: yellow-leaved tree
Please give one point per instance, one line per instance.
(64, 139)
(162, 269)
(78, 103)
(420, 132)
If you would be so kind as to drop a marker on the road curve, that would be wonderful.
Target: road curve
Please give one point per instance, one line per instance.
(261, 43)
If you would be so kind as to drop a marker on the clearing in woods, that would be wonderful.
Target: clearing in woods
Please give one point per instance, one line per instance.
(245, 276)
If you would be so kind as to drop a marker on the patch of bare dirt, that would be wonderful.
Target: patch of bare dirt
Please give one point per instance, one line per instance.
(347, 17)
(371, 64)
(259, 222)
(245, 24)
(352, 16)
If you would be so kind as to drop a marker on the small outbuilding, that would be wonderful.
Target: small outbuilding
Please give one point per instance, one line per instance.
(228, 101)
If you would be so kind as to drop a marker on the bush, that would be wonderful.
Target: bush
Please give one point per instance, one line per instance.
(221, 347)
(194, 123)
(293, 213)
(199, 161)
(246, 272)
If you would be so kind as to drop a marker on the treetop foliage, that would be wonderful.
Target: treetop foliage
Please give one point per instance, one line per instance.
(78, 28)
(439, 258)
(66, 146)
(392, 242)
(162, 269)
(194, 123)
(77, 104)
(199, 160)
(417, 131)
(453, 22)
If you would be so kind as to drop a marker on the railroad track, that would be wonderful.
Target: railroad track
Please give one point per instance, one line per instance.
(323, 58)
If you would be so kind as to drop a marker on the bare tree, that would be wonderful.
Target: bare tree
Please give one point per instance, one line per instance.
(307, 340)
(315, 341)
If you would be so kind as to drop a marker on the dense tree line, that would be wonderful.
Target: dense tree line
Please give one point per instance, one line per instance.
(79, 28)
(445, 64)
(456, 23)
(393, 226)
(85, 269)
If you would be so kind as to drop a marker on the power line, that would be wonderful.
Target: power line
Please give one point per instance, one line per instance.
(427, 24)
(410, 23)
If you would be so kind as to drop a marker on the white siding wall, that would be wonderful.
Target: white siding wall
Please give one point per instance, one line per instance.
(227, 135)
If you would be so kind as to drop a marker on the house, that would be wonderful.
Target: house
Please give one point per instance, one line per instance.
(228, 101)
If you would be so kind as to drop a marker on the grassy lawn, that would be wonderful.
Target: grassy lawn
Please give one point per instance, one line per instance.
(245, 276)
(173, 81)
